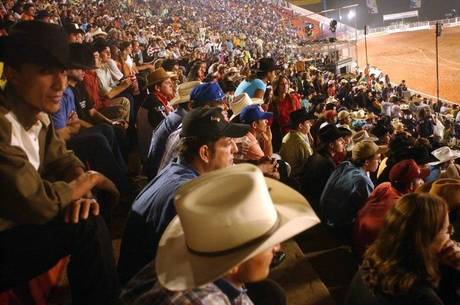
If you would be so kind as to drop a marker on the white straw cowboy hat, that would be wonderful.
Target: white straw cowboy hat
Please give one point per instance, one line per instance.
(359, 115)
(224, 218)
(183, 92)
(239, 102)
(444, 154)
(97, 32)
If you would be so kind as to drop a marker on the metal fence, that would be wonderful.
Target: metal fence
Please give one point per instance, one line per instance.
(407, 27)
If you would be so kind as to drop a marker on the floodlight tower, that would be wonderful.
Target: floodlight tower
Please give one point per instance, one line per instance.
(438, 34)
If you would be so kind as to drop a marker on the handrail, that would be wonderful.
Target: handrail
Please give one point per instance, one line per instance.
(413, 26)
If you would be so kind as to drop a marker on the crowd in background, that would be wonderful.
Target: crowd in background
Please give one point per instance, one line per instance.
(190, 88)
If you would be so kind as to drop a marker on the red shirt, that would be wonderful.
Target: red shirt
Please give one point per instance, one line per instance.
(285, 107)
(91, 83)
(371, 217)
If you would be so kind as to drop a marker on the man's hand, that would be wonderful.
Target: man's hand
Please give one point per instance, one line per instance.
(92, 179)
(121, 123)
(267, 134)
(127, 82)
(450, 255)
(105, 184)
(73, 123)
(269, 168)
(80, 209)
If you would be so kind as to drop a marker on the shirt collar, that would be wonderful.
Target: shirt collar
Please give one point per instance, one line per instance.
(24, 112)
(161, 97)
(229, 290)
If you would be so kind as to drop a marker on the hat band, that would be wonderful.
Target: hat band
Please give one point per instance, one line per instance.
(247, 244)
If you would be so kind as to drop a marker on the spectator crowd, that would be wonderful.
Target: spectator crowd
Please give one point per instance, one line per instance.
(243, 147)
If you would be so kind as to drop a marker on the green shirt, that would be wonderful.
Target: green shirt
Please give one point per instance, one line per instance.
(295, 150)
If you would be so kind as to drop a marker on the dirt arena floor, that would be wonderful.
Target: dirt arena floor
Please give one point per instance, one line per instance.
(412, 56)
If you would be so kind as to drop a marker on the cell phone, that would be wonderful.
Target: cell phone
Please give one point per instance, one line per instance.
(278, 257)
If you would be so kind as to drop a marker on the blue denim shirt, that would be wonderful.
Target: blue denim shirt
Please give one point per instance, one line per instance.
(159, 139)
(150, 214)
(345, 193)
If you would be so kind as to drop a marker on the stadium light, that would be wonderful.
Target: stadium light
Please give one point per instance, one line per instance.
(351, 14)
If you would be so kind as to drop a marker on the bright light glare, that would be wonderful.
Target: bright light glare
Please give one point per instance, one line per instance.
(351, 14)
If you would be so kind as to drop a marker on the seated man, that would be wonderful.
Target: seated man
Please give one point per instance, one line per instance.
(47, 212)
(167, 127)
(207, 145)
(219, 241)
(349, 186)
(404, 178)
(104, 90)
(320, 165)
(97, 145)
(203, 95)
(251, 148)
(296, 146)
(154, 109)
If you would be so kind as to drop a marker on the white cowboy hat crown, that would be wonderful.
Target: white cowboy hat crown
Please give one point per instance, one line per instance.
(183, 92)
(444, 154)
(224, 218)
(241, 101)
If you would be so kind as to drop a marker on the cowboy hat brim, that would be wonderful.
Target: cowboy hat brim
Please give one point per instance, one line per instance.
(179, 100)
(450, 158)
(156, 81)
(179, 269)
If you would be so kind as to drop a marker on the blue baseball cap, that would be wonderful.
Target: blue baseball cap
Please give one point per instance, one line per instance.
(253, 113)
(208, 92)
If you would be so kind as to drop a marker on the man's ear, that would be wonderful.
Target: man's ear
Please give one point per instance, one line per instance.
(254, 125)
(203, 153)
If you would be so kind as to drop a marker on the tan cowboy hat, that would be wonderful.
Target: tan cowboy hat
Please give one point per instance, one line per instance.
(359, 136)
(233, 74)
(226, 217)
(444, 154)
(343, 114)
(238, 103)
(158, 75)
(359, 115)
(97, 32)
(446, 188)
(183, 93)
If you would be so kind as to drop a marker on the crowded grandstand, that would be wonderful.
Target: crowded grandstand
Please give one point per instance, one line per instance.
(219, 152)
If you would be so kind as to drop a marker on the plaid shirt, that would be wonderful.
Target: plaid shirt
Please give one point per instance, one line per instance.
(139, 291)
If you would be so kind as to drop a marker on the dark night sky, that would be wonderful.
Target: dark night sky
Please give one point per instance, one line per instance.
(430, 10)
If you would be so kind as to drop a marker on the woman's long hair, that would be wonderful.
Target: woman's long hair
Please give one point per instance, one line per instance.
(402, 255)
(276, 91)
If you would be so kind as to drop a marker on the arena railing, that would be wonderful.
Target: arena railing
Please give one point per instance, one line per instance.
(406, 27)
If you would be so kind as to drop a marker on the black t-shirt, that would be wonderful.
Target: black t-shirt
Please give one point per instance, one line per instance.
(82, 102)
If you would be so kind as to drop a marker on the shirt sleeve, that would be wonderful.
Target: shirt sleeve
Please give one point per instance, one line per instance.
(26, 197)
(259, 85)
(60, 118)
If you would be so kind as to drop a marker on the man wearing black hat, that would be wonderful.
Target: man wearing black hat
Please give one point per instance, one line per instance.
(320, 165)
(95, 145)
(296, 147)
(74, 33)
(46, 212)
(207, 144)
(43, 15)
